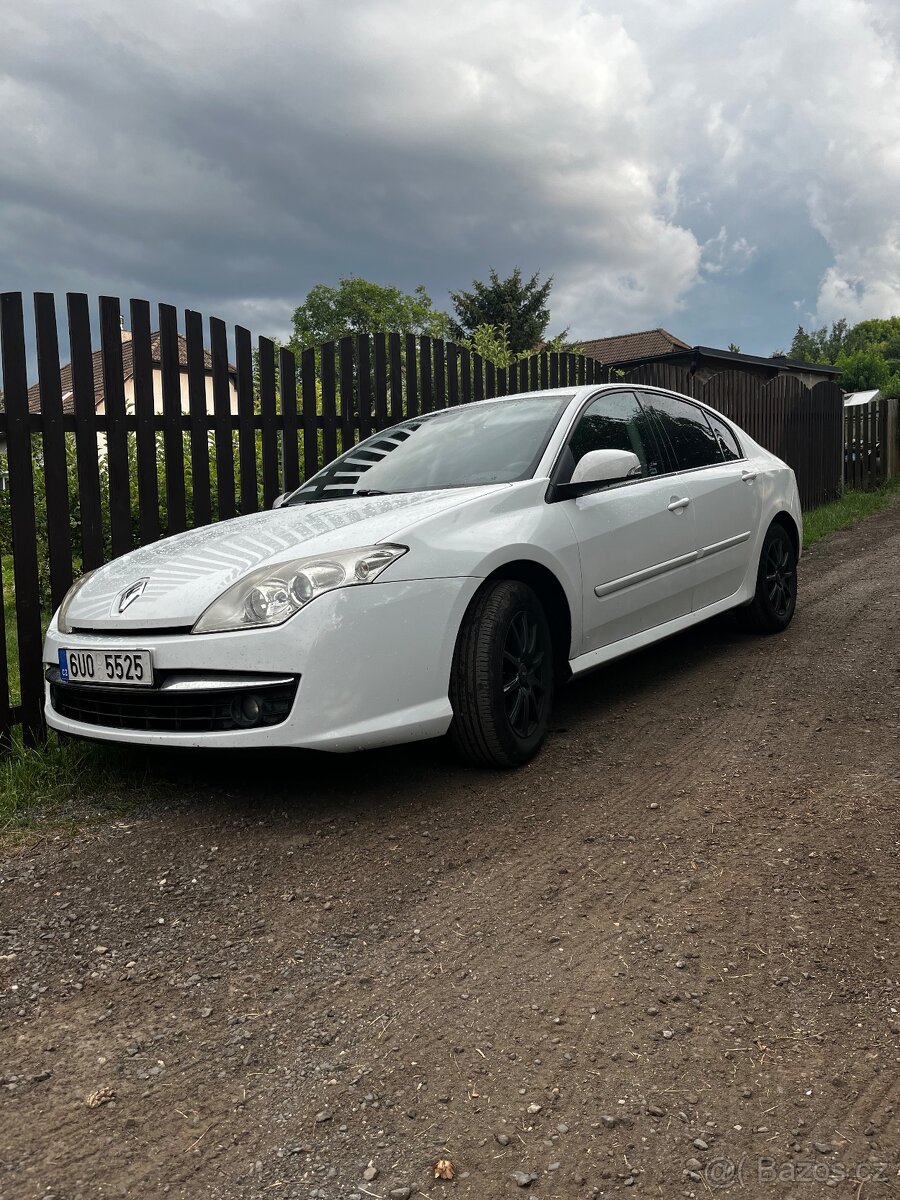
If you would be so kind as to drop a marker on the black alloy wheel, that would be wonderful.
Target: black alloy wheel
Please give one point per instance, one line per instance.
(525, 674)
(501, 682)
(775, 599)
(781, 576)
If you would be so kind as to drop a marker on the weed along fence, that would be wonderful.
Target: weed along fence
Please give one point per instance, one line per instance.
(871, 445)
(129, 427)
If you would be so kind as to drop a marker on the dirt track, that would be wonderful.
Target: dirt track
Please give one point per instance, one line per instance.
(676, 933)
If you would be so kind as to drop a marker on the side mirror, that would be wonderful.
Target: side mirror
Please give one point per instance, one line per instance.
(598, 467)
(279, 500)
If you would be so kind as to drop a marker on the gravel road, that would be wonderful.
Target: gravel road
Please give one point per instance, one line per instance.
(663, 957)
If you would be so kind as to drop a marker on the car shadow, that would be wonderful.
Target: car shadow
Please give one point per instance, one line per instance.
(420, 775)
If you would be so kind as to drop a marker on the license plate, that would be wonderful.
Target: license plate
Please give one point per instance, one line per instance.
(124, 668)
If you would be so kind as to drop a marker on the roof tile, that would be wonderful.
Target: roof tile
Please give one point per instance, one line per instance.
(632, 345)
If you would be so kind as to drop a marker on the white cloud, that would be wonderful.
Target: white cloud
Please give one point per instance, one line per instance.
(512, 131)
(723, 255)
(648, 156)
(791, 105)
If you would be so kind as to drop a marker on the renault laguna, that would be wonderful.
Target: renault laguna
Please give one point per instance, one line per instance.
(443, 577)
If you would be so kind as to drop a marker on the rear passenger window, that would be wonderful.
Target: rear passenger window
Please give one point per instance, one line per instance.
(727, 441)
(688, 432)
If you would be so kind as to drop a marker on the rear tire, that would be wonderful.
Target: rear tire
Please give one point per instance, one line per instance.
(775, 599)
(501, 682)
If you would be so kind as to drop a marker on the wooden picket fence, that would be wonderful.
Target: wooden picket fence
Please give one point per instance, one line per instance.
(205, 426)
(871, 447)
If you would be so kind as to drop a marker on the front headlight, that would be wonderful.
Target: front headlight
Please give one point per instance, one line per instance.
(62, 622)
(272, 594)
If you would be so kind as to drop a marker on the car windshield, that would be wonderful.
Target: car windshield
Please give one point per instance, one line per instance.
(498, 442)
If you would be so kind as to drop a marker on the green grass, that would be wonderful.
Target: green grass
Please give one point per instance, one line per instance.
(68, 780)
(853, 506)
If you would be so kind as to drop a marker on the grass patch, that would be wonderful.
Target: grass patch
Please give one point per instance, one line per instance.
(67, 780)
(852, 507)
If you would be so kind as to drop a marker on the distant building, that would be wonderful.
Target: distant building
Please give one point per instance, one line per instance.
(705, 361)
(68, 399)
(627, 346)
(851, 399)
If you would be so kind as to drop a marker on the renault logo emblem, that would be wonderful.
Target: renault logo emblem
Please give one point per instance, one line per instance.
(131, 594)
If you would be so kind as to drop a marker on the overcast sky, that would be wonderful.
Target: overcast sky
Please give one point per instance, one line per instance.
(723, 168)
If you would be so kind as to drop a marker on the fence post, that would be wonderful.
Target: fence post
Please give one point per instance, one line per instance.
(412, 376)
(24, 528)
(173, 441)
(118, 480)
(246, 431)
(345, 378)
(86, 448)
(396, 380)
(201, 497)
(268, 419)
(224, 438)
(56, 474)
(290, 434)
(363, 386)
(310, 413)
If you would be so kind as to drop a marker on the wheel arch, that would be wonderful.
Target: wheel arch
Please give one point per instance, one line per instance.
(787, 522)
(552, 596)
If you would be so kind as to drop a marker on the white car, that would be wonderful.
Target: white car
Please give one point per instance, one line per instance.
(444, 576)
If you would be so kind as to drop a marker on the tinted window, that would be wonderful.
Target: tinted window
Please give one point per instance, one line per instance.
(727, 441)
(616, 422)
(688, 432)
(459, 447)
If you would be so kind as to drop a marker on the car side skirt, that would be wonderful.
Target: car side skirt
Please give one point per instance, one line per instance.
(598, 658)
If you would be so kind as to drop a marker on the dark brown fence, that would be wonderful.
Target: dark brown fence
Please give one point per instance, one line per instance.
(161, 429)
(801, 425)
(871, 448)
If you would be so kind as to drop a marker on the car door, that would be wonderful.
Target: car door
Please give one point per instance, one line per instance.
(721, 485)
(636, 539)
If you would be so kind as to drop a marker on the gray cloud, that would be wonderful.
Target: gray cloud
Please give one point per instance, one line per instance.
(229, 157)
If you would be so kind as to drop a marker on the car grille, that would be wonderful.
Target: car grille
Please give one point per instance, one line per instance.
(210, 710)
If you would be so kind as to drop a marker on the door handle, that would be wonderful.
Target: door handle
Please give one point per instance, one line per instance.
(748, 476)
(678, 505)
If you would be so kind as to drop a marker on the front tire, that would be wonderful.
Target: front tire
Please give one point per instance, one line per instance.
(501, 682)
(775, 599)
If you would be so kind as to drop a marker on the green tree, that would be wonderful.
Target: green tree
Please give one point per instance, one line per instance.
(360, 306)
(881, 334)
(520, 305)
(820, 345)
(863, 369)
(492, 343)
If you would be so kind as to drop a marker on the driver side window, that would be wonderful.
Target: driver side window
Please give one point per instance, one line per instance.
(616, 421)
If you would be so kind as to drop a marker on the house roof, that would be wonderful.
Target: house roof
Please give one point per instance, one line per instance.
(633, 345)
(65, 372)
(692, 356)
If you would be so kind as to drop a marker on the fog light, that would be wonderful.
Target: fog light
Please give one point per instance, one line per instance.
(247, 711)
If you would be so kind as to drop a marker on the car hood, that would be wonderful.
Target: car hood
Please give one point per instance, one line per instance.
(186, 572)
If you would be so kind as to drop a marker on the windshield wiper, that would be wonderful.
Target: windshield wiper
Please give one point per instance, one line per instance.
(341, 496)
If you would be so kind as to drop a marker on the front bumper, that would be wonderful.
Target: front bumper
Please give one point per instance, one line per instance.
(373, 664)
